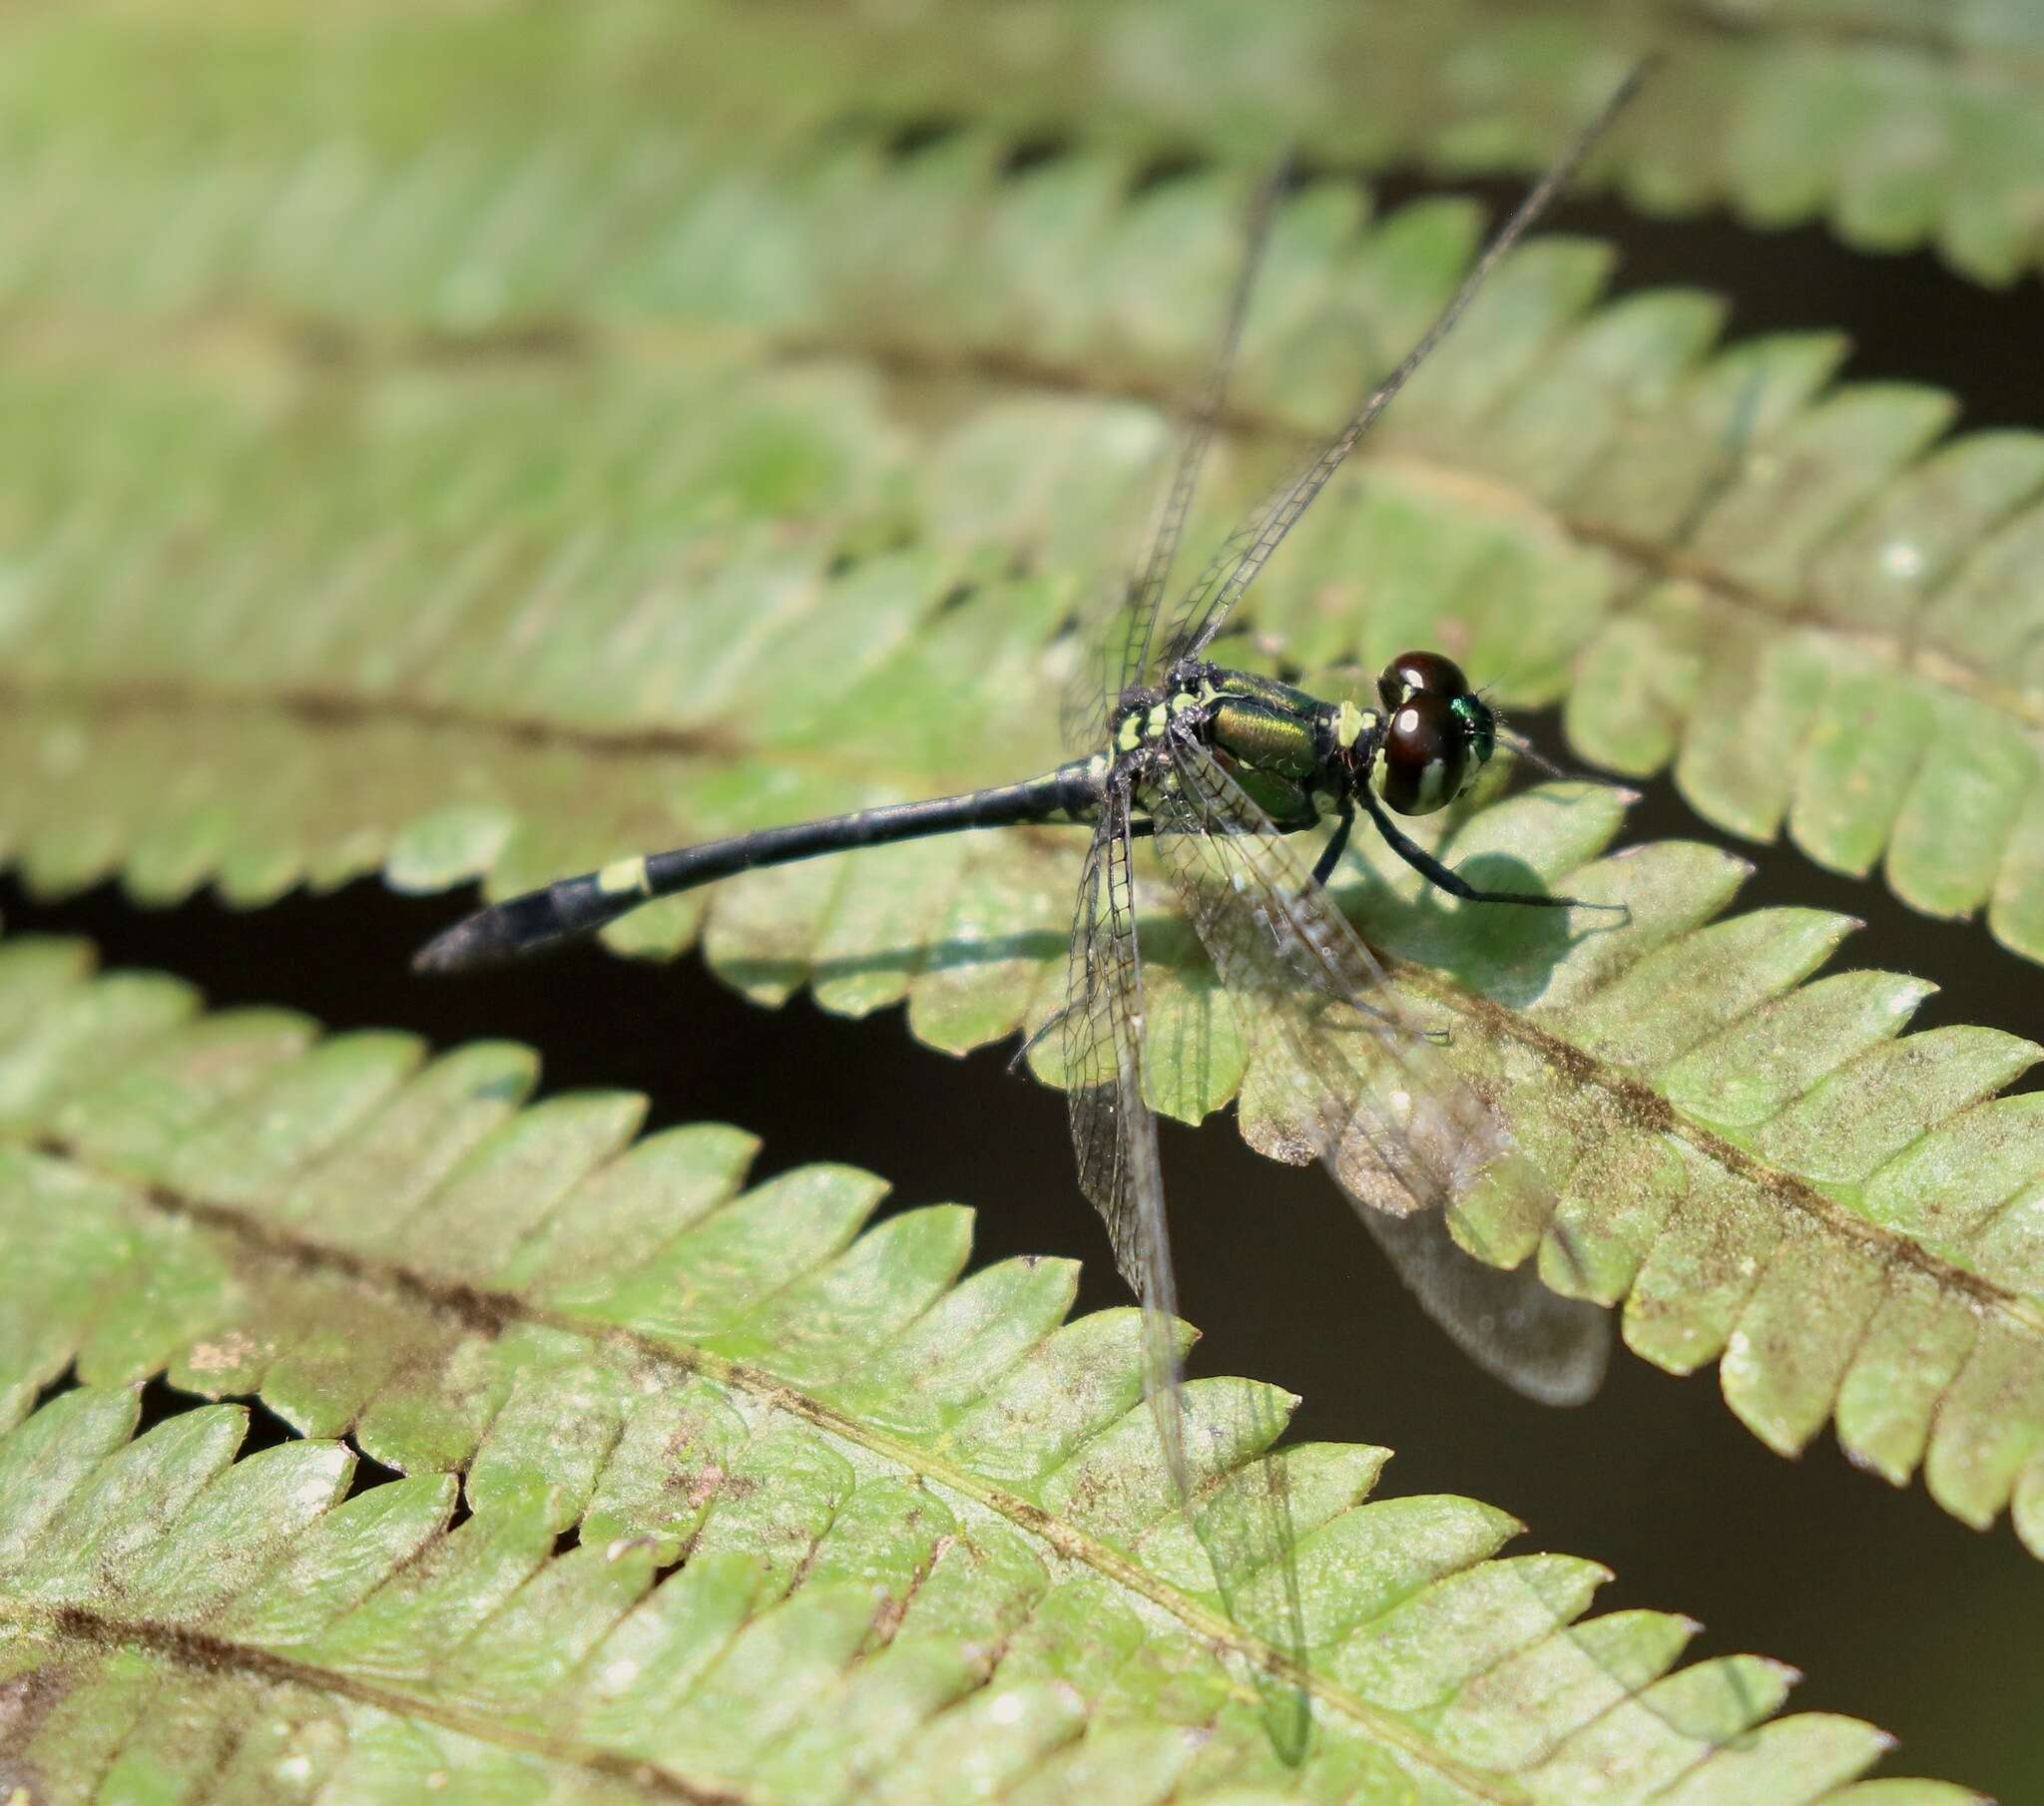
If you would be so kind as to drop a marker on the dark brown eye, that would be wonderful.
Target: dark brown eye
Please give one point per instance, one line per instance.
(1420, 674)
(1425, 754)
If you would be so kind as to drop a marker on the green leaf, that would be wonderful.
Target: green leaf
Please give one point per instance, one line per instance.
(1899, 125)
(1762, 1167)
(1827, 616)
(475, 445)
(688, 621)
(636, 660)
(757, 1503)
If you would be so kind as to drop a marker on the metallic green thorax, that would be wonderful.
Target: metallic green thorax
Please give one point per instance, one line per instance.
(1294, 754)
(1267, 739)
(1303, 760)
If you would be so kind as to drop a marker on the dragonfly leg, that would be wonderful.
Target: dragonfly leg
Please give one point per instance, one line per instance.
(1337, 844)
(1451, 881)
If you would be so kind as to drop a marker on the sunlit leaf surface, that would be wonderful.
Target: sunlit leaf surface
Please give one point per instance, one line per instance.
(755, 1502)
(410, 535)
(433, 423)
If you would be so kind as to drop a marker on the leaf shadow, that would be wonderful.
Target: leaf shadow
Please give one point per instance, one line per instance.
(916, 958)
(1509, 952)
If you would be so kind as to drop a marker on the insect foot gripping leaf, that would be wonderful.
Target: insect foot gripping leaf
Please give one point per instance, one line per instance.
(702, 1491)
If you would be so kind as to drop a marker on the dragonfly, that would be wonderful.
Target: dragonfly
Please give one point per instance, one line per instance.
(1222, 770)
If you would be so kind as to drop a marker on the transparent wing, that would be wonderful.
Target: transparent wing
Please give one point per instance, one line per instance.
(1113, 1135)
(1336, 1074)
(1245, 1525)
(1317, 1015)
(1123, 625)
(1375, 1098)
(1207, 605)
(1102, 632)
(1552, 1349)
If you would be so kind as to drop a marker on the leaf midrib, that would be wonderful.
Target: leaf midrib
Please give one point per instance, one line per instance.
(482, 1310)
(204, 1653)
(1649, 562)
(1651, 1109)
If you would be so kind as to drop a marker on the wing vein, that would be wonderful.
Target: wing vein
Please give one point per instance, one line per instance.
(1208, 604)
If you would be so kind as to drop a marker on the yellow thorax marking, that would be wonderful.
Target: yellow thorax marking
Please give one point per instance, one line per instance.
(1350, 723)
(1138, 725)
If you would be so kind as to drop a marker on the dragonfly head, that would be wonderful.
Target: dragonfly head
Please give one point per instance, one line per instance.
(1437, 734)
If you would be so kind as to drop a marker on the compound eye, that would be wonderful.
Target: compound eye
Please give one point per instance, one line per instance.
(1425, 756)
(1420, 674)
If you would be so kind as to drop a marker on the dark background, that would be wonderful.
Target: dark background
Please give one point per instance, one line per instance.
(1895, 1611)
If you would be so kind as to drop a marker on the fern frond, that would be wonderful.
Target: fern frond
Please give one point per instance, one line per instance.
(758, 1503)
(1825, 615)
(509, 655)
(668, 578)
(1902, 125)
(1730, 1140)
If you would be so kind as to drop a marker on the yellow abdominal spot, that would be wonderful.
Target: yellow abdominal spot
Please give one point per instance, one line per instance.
(622, 878)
